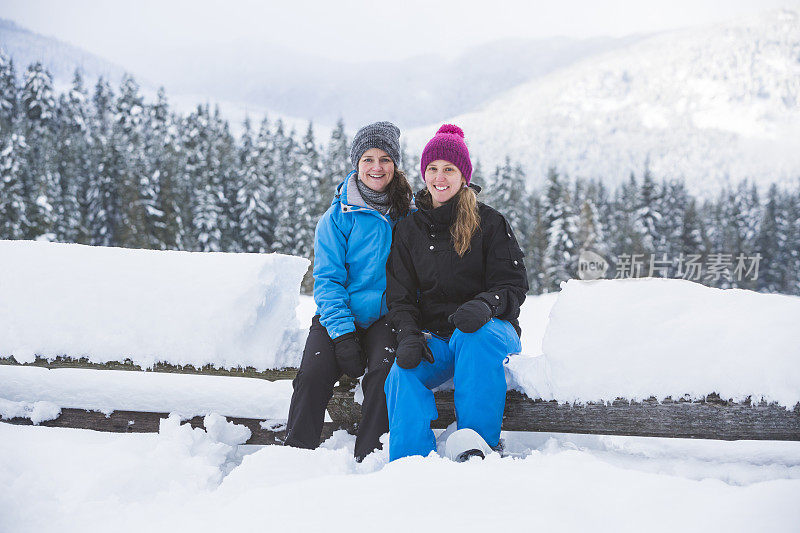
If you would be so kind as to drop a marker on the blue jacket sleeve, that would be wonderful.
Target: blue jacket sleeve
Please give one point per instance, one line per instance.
(330, 275)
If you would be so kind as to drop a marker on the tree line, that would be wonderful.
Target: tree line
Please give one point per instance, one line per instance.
(103, 166)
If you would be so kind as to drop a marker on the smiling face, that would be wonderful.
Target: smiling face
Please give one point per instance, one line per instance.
(443, 180)
(376, 169)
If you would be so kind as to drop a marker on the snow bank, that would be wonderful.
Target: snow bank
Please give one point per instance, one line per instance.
(185, 479)
(638, 338)
(109, 304)
(187, 395)
(533, 316)
(37, 411)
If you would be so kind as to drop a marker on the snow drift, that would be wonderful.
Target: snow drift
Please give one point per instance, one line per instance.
(638, 338)
(109, 304)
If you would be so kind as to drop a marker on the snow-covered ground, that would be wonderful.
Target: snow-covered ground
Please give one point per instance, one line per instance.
(187, 480)
(590, 335)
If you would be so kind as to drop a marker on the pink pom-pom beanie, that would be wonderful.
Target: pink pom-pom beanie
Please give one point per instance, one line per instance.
(448, 145)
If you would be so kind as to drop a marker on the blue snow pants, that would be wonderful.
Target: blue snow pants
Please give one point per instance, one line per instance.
(475, 362)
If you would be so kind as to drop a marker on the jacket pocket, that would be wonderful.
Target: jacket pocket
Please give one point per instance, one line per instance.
(510, 255)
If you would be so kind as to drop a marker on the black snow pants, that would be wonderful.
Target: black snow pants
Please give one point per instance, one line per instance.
(319, 372)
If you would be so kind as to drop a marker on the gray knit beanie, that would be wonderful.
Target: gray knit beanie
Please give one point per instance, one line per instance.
(383, 135)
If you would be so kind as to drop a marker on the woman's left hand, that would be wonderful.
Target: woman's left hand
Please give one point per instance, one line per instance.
(349, 355)
(471, 316)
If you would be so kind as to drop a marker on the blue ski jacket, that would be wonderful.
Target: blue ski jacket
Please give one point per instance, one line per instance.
(351, 245)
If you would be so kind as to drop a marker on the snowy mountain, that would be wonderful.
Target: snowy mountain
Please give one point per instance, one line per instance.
(709, 104)
(276, 80)
(60, 58)
(410, 92)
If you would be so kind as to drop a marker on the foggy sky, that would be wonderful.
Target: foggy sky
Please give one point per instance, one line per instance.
(135, 33)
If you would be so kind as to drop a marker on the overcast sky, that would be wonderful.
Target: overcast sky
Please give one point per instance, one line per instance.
(131, 31)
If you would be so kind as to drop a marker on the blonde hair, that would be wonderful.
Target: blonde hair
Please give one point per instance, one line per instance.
(467, 220)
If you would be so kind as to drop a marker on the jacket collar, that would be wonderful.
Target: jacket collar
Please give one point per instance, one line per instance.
(441, 216)
(347, 194)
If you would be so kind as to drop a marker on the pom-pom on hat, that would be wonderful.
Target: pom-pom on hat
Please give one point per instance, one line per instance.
(448, 145)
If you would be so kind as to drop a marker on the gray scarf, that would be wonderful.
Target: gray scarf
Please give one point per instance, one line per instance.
(379, 201)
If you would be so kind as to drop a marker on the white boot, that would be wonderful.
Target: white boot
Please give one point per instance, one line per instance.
(466, 443)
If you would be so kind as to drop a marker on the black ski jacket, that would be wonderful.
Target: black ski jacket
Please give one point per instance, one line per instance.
(426, 280)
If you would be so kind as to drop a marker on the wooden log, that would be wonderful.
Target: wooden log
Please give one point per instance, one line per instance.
(144, 422)
(127, 364)
(709, 418)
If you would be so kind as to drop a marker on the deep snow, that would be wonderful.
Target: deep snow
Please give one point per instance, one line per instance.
(185, 479)
(109, 304)
(636, 338)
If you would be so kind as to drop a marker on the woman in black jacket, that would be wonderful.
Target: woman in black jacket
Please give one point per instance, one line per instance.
(455, 270)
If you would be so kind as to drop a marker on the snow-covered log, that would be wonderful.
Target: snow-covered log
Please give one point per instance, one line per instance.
(181, 308)
(665, 338)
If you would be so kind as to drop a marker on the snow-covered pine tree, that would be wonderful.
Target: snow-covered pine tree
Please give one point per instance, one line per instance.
(535, 242)
(13, 201)
(648, 218)
(137, 194)
(478, 178)
(286, 164)
(692, 231)
(715, 213)
(792, 244)
(206, 197)
(265, 221)
(105, 171)
(335, 163)
(311, 180)
(8, 95)
(628, 231)
(14, 223)
(672, 206)
(578, 195)
(73, 165)
(310, 203)
(509, 196)
(591, 232)
(751, 215)
(729, 236)
(491, 187)
(163, 156)
(561, 255)
(768, 243)
(224, 176)
(410, 165)
(38, 112)
(248, 197)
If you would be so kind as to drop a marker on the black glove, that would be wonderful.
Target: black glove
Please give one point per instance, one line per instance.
(471, 316)
(411, 349)
(349, 355)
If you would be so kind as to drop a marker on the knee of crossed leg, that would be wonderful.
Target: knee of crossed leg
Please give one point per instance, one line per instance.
(482, 337)
(316, 376)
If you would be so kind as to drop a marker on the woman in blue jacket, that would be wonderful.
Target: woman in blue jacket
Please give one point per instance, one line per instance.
(350, 332)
